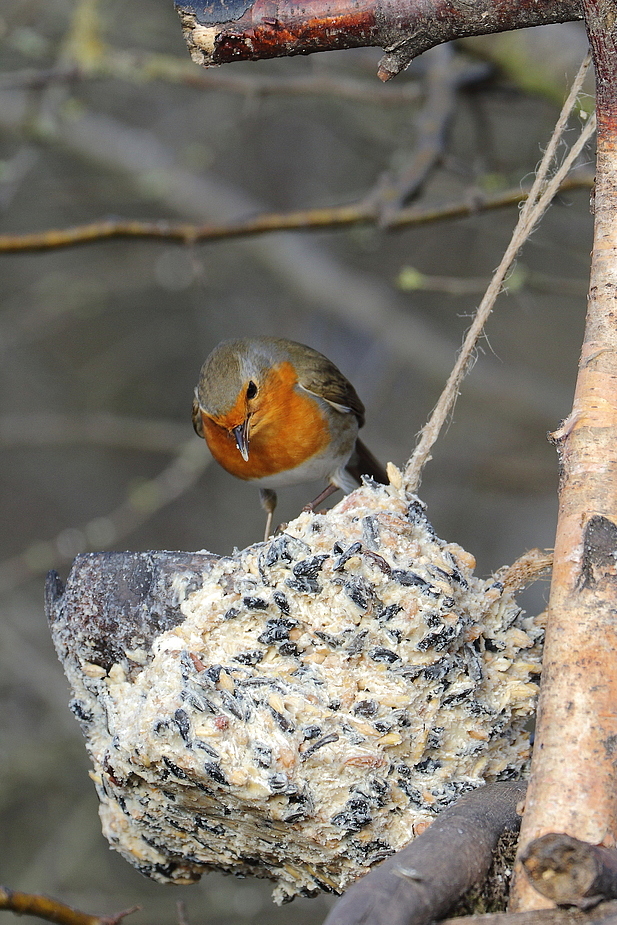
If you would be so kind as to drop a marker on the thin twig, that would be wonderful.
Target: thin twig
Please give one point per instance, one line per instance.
(360, 213)
(54, 911)
(537, 202)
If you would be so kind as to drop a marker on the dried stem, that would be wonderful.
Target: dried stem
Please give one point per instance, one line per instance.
(538, 201)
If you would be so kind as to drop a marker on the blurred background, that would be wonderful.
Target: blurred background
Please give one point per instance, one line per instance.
(102, 344)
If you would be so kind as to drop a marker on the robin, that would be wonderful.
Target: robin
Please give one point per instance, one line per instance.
(276, 412)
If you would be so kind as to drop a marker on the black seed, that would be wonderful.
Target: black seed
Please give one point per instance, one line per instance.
(386, 613)
(325, 740)
(411, 580)
(356, 644)
(309, 568)
(282, 721)
(213, 673)
(438, 641)
(311, 732)
(161, 726)
(370, 531)
(427, 766)
(352, 550)
(290, 649)
(207, 748)
(337, 549)
(284, 548)
(237, 705)
(329, 640)
(80, 711)
(281, 601)
(366, 708)
(249, 658)
(416, 515)
(433, 619)
(255, 603)
(263, 754)
(175, 770)
(452, 699)
(435, 737)
(231, 613)
(197, 701)
(438, 671)
(472, 662)
(402, 718)
(278, 783)
(412, 792)
(276, 631)
(214, 771)
(395, 635)
(182, 721)
(201, 822)
(355, 816)
(335, 705)
(303, 585)
(380, 654)
(359, 591)
(382, 725)
(295, 817)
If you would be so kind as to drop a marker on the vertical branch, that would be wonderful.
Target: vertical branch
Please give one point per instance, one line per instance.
(573, 786)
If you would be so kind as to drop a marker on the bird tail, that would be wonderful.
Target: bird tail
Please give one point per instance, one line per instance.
(362, 462)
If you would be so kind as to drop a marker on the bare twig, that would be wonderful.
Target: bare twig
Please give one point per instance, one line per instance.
(539, 199)
(54, 911)
(360, 213)
(133, 66)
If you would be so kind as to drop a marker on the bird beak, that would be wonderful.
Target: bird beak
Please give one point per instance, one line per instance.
(241, 433)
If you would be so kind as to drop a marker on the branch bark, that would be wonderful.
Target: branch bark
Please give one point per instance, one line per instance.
(240, 30)
(574, 772)
(571, 872)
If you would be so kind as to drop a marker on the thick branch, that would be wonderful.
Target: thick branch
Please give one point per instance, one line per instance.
(425, 879)
(570, 871)
(241, 30)
(573, 785)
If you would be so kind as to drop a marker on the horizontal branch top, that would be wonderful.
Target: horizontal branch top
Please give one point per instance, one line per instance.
(238, 30)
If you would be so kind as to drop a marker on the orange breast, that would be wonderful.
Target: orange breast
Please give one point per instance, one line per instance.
(287, 428)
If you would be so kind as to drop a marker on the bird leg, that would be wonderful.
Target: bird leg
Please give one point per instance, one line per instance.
(267, 498)
(328, 490)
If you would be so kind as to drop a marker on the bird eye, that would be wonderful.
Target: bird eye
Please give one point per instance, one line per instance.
(251, 390)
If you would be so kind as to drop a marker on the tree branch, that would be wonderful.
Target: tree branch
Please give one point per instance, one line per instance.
(54, 911)
(241, 30)
(424, 880)
(571, 872)
(573, 785)
(358, 213)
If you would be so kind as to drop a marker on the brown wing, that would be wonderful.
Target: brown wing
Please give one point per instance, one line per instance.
(196, 418)
(317, 374)
(362, 462)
